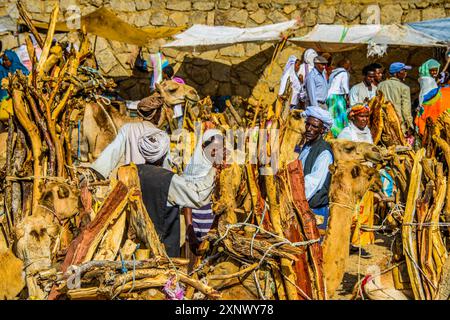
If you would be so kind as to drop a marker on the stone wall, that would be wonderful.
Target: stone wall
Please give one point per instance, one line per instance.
(240, 69)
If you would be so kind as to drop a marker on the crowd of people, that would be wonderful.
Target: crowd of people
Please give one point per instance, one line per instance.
(315, 85)
(323, 91)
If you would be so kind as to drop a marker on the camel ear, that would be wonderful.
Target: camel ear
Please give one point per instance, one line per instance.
(332, 168)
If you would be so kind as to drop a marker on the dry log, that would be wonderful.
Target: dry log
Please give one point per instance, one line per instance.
(408, 230)
(308, 223)
(81, 249)
(36, 145)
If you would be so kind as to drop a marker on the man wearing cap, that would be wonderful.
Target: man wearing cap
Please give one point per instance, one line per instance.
(399, 94)
(316, 156)
(164, 192)
(316, 84)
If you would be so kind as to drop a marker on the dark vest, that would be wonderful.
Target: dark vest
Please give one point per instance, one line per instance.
(155, 182)
(320, 198)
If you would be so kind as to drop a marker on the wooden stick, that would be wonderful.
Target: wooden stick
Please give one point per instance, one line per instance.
(26, 18)
(36, 145)
(238, 274)
(48, 41)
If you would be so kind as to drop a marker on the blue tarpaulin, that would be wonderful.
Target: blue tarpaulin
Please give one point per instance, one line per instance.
(438, 28)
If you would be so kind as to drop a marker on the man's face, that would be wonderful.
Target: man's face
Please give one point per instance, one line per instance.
(370, 77)
(402, 74)
(297, 65)
(6, 62)
(378, 75)
(320, 66)
(215, 151)
(361, 120)
(314, 129)
(434, 72)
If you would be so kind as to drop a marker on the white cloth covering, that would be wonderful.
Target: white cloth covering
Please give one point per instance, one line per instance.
(199, 165)
(360, 91)
(123, 149)
(321, 114)
(353, 133)
(289, 74)
(154, 144)
(338, 82)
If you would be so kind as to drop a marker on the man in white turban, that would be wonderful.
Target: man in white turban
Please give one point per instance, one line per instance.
(316, 156)
(164, 192)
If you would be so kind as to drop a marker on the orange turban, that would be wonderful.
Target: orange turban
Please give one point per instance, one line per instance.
(357, 109)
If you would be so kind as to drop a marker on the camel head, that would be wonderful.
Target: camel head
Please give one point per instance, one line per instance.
(61, 198)
(351, 179)
(345, 150)
(175, 93)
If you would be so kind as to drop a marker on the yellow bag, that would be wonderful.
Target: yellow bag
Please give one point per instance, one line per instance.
(364, 216)
(6, 109)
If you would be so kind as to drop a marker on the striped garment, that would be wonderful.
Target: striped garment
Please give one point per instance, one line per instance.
(202, 220)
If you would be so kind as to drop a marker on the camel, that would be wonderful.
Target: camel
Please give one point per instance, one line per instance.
(102, 121)
(40, 236)
(350, 180)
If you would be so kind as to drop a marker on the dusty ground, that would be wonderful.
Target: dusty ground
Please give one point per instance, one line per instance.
(379, 250)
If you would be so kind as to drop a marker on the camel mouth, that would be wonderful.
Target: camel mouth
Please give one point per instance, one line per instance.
(373, 157)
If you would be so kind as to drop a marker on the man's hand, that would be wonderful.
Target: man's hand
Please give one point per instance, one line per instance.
(192, 239)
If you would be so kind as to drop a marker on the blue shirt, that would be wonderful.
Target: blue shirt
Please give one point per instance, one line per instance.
(316, 87)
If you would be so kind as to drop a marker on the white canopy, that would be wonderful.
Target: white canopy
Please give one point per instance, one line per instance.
(341, 38)
(203, 37)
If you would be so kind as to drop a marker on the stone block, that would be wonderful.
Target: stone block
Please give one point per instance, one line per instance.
(349, 10)
(198, 74)
(251, 49)
(8, 41)
(221, 72)
(224, 4)
(310, 18)
(177, 5)
(276, 17)
(252, 6)
(142, 19)
(159, 19)
(326, 14)
(413, 15)
(422, 4)
(238, 4)
(198, 17)
(120, 5)
(391, 13)
(433, 13)
(143, 4)
(35, 6)
(203, 5)
(289, 8)
(224, 89)
(259, 16)
(106, 60)
(233, 51)
(238, 16)
(179, 18)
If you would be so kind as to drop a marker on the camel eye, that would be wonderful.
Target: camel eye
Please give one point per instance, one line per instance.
(63, 192)
(349, 148)
(356, 171)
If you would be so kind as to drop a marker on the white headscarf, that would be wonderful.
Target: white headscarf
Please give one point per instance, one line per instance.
(154, 145)
(199, 165)
(321, 114)
(289, 68)
(308, 63)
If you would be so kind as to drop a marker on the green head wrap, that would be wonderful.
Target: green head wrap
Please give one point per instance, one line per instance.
(424, 70)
